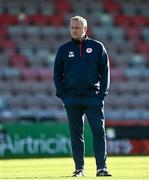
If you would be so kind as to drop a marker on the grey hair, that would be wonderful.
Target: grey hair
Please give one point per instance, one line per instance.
(81, 19)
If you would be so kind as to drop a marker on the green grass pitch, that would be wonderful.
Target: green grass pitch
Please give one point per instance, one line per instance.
(122, 168)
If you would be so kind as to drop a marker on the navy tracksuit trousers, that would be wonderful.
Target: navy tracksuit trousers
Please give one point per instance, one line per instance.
(93, 108)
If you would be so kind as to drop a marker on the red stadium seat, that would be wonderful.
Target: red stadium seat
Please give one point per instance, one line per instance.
(7, 44)
(56, 20)
(112, 6)
(37, 19)
(139, 21)
(3, 33)
(131, 21)
(18, 60)
(124, 21)
(143, 47)
(62, 6)
(133, 33)
(45, 74)
(30, 75)
(117, 74)
(7, 19)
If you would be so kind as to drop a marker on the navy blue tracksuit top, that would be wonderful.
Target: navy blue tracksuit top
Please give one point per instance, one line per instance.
(82, 69)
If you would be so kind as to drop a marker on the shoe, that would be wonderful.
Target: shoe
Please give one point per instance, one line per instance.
(78, 172)
(103, 172)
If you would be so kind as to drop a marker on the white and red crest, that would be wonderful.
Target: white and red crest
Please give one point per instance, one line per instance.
(89, 50)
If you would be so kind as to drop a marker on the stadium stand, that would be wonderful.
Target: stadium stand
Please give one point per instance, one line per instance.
(30, 33)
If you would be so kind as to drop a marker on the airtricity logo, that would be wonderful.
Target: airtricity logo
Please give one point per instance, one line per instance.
(16, 145)
(71, 54)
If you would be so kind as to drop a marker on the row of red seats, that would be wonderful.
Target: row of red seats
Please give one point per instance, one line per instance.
(58, 20)
(118, 7)
(131, 21)
(54, 19)
(46, 74)
(122, 75)
(37, 74)
(20, 60)
(13, 7)
(27, 74)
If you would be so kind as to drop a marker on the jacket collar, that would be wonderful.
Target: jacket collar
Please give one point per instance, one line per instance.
(78, 41)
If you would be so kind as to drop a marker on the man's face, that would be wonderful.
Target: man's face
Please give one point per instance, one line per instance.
(77, 30)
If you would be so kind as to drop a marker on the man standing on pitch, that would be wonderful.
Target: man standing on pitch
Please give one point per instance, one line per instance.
(82, 78)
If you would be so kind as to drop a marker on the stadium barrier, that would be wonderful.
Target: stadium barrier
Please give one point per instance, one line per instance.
(52, 140)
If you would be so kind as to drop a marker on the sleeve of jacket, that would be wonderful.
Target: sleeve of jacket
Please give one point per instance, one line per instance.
(59, 74)
(104, 71)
